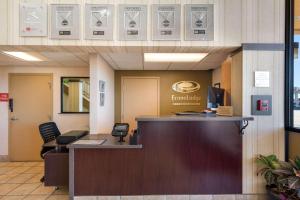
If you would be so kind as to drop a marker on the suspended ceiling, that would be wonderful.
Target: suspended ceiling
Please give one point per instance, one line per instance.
(119, 58)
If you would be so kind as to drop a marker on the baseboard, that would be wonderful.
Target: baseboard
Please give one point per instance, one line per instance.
(4, 158)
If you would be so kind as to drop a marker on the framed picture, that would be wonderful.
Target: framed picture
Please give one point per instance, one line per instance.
(65, 22)
(102, 99)
(199, 22)
(132, 22)
(166, 21)
(99, 21)
(101, 86)
(33, 19)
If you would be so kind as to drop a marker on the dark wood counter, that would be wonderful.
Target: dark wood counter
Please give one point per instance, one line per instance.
(176, 157)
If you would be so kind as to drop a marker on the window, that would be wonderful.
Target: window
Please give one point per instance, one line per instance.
(293, 66)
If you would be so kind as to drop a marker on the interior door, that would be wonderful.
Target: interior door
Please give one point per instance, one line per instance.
(32, 105)
(140, 96)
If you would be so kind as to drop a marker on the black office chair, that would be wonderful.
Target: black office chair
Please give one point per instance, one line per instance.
(49, 132)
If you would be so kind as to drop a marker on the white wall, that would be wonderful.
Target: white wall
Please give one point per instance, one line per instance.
(101, 118)
(65, 122)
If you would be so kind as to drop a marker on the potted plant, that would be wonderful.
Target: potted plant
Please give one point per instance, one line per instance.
(282, 178)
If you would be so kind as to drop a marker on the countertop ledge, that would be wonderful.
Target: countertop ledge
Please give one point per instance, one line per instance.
(201, 117)
(110, 143)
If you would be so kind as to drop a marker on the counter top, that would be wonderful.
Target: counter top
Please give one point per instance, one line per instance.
(110, 143)
(200, 117)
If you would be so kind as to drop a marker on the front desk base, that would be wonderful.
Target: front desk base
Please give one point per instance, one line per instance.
(188, 157)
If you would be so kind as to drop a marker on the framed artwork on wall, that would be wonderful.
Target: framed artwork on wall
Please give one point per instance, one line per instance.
(99, 21)
(132, 22)
(33, 19)
(199, 22)
(166, 21)
(65, 21)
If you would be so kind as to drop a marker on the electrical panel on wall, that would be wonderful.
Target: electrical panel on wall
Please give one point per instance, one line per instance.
(99, 21)
(133, 22)
(65, 22)
(199, 22)
(33, 19)
(166, 21)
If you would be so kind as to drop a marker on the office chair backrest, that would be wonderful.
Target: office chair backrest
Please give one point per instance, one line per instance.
(49, 131)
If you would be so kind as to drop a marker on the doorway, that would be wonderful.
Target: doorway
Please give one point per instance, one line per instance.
(31, 96)
(140, 96)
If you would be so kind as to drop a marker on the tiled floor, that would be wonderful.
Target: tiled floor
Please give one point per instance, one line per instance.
(21, 180)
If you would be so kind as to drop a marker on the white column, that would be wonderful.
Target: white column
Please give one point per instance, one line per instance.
(101, 117)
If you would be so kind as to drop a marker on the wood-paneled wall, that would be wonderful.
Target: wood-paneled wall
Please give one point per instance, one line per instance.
(228, 24)
(264, 135)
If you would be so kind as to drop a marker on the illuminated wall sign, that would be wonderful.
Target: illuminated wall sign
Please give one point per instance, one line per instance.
(186, 88)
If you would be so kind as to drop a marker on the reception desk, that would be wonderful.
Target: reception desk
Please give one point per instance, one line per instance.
(173, 155)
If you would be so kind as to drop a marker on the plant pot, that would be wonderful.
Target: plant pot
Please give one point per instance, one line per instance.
(274, 196)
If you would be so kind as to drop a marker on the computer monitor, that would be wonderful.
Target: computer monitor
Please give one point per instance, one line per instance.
(215, 97)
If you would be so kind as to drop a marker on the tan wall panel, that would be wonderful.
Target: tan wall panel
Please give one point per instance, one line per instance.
(167, 78)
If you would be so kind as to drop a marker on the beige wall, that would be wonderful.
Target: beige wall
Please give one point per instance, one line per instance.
(264, 135)
(65, 122)
(167, 78)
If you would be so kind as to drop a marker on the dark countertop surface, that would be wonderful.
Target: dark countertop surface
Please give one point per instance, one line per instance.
(199, 117)
(110, 142)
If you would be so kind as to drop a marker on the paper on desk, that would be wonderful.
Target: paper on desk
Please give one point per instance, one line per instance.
(90, 142)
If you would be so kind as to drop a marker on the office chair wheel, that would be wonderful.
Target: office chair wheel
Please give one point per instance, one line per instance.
(42, 179)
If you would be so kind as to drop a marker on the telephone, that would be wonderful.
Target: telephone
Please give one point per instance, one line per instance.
(120, 130)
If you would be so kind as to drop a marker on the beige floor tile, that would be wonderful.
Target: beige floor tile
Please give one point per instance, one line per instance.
(62, 190)
(34, 170)
(31, 164)
(4, 178)
(6, 169)
(13, 197)
(2, 164)
(6, 188)
(21, 178)
(17, 170)
(58, 197)
(35, 179)
(43, 190)
(15, 164)
(36, 197)
(24, 189)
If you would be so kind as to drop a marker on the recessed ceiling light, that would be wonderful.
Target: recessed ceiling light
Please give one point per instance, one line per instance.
(174, 57)
(22, 55)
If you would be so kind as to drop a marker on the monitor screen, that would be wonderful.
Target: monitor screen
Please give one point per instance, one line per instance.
(215, 97)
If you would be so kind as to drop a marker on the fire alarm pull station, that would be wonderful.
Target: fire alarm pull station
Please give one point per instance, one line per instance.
(261, 105)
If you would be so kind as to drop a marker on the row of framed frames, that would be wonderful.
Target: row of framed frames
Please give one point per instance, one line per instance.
(132, 21)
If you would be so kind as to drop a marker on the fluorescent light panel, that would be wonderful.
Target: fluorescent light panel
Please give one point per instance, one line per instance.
(22, 55)
(174, 57)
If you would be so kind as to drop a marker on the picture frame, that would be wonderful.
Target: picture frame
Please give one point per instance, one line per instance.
(132, 22)
(99, 21)
(65, 21)
(33, 19)
(199, 22)
(166, 21)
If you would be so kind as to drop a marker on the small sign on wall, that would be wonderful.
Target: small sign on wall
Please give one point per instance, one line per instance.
(4, 97)
(262, 79)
